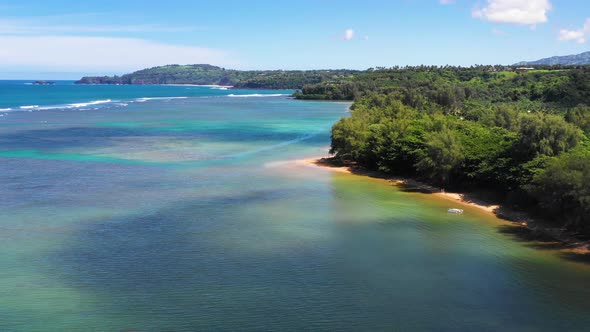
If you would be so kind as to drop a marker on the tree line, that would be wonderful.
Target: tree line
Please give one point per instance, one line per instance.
(524, 134)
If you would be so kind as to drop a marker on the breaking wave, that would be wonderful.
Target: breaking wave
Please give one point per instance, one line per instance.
(255, 95)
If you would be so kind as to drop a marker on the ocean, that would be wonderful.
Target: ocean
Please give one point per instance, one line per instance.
(181, 208)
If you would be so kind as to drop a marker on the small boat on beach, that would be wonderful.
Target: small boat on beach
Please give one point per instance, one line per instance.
(455, 211)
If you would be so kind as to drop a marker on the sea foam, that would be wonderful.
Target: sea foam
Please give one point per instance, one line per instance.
(94, 102)
(144, 99)
(84, 105)
(62, 106)
(255, 95)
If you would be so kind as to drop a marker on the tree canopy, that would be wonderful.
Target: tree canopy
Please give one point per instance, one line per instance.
(521, 134)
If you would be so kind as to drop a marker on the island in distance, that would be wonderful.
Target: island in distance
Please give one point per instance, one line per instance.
(43, 83)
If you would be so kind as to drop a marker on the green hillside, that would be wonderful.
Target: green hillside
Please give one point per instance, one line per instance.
(207, 74)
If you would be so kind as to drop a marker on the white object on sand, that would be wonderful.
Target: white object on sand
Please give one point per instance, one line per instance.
(455, 211)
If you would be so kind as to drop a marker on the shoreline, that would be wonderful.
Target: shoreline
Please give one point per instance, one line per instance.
(526, 226)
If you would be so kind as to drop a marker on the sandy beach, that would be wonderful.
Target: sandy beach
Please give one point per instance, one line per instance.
(423, 187)
(553, 236)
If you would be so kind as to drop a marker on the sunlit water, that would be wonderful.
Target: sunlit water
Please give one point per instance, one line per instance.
(186, 214)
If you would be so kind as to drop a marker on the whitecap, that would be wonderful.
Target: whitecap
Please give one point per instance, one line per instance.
(202, 85)
(94, 102)
(28, 107)
(254, 95)
(144, 99)
(44, 108)
(5, 109)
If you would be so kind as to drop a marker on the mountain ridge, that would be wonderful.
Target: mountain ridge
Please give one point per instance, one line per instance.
(568, 60)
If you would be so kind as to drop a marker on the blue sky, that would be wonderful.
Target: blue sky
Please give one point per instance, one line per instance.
(65, 39)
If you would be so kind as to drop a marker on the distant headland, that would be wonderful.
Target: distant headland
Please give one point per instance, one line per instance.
(204, 74)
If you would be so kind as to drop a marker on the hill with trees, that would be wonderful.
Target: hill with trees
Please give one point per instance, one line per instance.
(204, 74)
(522, 134)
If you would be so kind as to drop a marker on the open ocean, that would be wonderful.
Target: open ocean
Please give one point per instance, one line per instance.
(179, 208)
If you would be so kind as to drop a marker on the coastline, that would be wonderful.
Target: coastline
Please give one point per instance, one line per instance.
(525, 226)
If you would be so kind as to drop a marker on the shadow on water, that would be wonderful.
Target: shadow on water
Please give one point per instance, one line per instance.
(67, 137)
(131, 246)
(534, 238)
(188, 266)
(183, 267)
(539, 239)
(88, 137)
(576, 257)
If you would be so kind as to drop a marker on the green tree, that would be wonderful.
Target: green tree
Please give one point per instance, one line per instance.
(441, 156)
(543, 134)
(580, 116)
(563, 188)
(349, 139)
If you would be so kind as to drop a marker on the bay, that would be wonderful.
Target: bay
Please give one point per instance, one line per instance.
(178, 208)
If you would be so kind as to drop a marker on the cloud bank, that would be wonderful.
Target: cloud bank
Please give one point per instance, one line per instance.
(523, 12)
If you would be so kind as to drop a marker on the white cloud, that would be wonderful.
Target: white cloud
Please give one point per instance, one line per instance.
(524, 12)
(348, 34)
(579, 35)
(78, 53)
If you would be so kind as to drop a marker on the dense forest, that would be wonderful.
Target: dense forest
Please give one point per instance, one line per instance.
(524, 133)
(209, 75)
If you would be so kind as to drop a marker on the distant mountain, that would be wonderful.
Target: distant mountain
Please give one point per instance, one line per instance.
(578, 59)
(207, 74)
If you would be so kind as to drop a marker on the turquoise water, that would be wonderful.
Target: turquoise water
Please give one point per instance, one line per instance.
(190, 214)
(22, 95)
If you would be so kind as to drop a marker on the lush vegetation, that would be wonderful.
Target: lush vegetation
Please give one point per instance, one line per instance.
(207, 74)
(451, 86)
(524, 134)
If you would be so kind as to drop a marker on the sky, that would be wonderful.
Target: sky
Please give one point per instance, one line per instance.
(59, 39)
